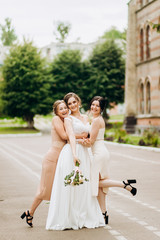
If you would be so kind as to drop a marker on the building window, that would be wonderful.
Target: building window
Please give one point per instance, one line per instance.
(148, 42)
(141, 98)
(148, 98)
(141, 45)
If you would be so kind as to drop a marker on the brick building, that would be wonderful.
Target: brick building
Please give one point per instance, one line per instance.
(142, 85)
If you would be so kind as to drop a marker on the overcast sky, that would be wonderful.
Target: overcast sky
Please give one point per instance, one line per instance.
(89, 19)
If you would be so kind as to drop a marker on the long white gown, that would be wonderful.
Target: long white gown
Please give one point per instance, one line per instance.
(73, 207)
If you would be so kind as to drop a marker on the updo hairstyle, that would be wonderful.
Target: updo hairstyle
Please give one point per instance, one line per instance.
(101, 100)
(69, 95)
(56, 104)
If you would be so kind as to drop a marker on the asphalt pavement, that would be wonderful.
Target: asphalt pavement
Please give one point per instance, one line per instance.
(130, 218)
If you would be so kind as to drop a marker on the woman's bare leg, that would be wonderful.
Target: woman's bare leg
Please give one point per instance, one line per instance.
(106, 183)
(34, 205)
(102, 200)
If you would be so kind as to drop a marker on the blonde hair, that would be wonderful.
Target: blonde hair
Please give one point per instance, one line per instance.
(56, 104)
(69, 95)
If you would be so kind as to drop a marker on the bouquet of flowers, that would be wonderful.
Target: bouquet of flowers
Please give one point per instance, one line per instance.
(75, 177)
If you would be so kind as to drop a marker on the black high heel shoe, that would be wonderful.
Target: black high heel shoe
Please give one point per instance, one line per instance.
(28, 218)
(133, 190)
(106, 217)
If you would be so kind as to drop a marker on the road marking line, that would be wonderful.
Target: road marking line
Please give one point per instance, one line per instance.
(21, 155)
(133, 219)
(107, 227)
(157, 233)
(120, 238)
(142, 223)
(133, 146)
(126, 214)
(135, 158)
(151, 228)
(114, 232)
(25, 150)
(134, 200)
(21, 164)
(152, 207)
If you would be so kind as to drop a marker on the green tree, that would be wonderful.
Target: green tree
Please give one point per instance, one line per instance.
(106, 74)
(62, 31)
(66, 70)
(114, 34)
(8, 35)
(117, 36)
(26, 83)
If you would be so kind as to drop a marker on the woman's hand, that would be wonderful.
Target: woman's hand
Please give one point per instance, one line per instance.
(87, 142)
(76, 160)
(84, 135)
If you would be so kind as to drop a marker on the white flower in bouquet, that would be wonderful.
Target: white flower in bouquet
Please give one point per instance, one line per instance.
(75, 177)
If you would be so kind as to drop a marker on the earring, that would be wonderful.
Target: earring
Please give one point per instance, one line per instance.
(69, 111)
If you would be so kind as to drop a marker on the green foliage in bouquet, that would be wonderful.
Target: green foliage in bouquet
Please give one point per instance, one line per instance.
(75, 177)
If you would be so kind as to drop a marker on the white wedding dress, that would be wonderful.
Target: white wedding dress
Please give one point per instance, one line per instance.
(73, 207)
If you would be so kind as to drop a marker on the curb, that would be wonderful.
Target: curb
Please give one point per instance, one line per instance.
(21, 135)
(106, 142)
(133, 146)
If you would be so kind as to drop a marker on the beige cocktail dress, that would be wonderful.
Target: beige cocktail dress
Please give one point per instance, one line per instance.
(49, 166)
(100, 162)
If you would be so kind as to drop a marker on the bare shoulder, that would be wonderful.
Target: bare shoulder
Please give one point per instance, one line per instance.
(56, 119)
(96, 120)
(99, 121)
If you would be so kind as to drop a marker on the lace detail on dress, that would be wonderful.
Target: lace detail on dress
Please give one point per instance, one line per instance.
(68, 118)
(79, 126)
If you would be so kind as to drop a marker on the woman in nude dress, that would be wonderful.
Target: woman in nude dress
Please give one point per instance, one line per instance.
(49, 163)
(100, 181)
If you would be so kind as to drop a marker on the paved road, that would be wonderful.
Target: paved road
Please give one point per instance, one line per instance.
(131, 218)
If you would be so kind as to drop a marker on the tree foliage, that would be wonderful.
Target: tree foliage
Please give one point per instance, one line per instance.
(117, 36)
(114, 34)
(26, 84)
(106, 74)
(66, 70)
(62, 31)
(103, 74)
(8, 35)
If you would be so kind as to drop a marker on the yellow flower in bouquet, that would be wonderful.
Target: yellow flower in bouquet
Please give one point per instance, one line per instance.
(75, 177)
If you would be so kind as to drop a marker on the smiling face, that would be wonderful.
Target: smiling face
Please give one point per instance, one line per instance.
(62, 110)
(73, 104)
(95, 108)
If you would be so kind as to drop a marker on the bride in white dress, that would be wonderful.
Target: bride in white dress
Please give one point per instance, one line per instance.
(73, 207)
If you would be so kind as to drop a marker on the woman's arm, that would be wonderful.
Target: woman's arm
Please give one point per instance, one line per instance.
(71, 136)
(59, 127)
(94, 130)
(82, 135)
(93, 134)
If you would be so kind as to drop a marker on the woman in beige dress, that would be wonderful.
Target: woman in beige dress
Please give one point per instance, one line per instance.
(100, 181)
(49, 163)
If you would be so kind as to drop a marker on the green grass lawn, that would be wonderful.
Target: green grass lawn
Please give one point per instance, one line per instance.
(118, 118)
(16, 130)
